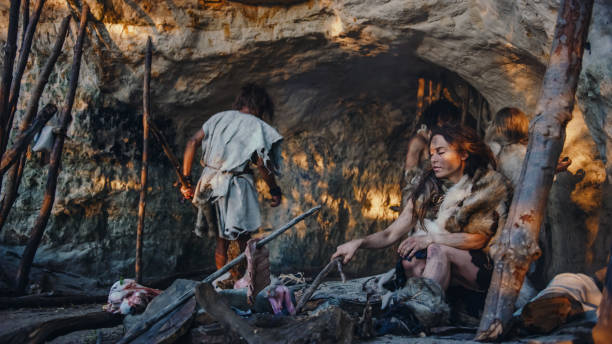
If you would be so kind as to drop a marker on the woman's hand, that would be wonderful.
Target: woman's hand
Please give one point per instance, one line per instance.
(347, 250)
(415, 243)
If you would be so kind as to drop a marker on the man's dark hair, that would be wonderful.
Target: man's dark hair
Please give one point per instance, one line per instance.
(256, 99)
(442, 111)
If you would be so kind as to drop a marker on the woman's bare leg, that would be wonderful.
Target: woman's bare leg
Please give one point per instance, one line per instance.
(448, 264)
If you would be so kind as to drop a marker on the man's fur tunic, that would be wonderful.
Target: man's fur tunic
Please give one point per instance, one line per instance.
(476, 205)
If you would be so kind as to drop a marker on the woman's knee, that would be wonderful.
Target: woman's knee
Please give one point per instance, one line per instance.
(436, 250)
(414, 267)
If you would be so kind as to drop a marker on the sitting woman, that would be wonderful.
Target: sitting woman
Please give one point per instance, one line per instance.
(451, 218)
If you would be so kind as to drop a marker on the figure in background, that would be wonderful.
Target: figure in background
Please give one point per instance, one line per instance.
(450, 219)
(232, 141)
(439, 113)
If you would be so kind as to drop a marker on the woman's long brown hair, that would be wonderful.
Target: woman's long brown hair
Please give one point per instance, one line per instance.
(463, 140)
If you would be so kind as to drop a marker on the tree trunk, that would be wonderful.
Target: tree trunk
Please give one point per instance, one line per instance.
(54, 166)
(15, 173)
(517, 245)
(146, 104)
(24, 53)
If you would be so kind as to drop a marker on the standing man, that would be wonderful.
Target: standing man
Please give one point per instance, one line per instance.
(232, 141)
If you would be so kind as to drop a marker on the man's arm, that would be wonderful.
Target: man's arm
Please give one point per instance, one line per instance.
(401, 226)
(416, 146)
(188, 156)
(268, 177)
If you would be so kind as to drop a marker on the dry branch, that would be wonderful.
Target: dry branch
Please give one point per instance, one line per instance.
(166, 147)
(142, 204)
(517, 245)
(7, 71)
(317, 281)
(44, 331)
(15, 173)
(23, 140)
(54, 167)
(24, 53)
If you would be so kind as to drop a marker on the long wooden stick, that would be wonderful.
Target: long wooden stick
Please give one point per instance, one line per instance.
(14, 177)
(317, 281)
(517, 246)
(166, 147)
(146, 104)
(25, 18)
(56, 159)
(24, 53)
(7, 71)
(145, 325)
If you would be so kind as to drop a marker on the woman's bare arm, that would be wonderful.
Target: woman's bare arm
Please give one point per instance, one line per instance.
(188, 156)
(462, 241)
(402, 225)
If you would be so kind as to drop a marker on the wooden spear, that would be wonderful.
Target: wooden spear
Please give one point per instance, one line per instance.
(54, 166)
(15, 173)
(517, 246)
(166, 147)
(146, 104)
(334, 263)
(145, 325)
(7, 71)
(24, 53)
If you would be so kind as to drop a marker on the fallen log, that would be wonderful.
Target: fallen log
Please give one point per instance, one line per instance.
(317, 281)
(21, 279)
(44, 331)
(517, 245)
(14, 177)
(24, 53)
(142, 327)
(602, 332)
(142, 204)
(10, 51)
(34, 301)
(23, 140)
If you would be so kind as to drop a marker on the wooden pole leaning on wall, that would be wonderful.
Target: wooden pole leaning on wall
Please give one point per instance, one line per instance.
(55, 164)
(517, 245)
(15, 172)
(146, 104)
(7, 71)
(24, 53)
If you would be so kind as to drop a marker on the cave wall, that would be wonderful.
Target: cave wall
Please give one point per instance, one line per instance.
(343, 75)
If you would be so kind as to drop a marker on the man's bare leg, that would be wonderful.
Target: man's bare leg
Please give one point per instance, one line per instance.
(442, 259)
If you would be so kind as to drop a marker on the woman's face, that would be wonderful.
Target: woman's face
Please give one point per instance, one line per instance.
(446, 161)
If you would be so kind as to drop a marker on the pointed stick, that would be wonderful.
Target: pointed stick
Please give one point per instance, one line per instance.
(55, 164)
(517, 245)
(166, 147)
(14, 177)
(146, 103)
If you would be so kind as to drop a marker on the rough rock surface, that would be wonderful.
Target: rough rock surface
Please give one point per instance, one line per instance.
(344, 77)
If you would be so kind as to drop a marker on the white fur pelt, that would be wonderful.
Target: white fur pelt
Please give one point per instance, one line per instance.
(476, 205)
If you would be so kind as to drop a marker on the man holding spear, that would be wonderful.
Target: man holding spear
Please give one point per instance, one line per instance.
(232, 141)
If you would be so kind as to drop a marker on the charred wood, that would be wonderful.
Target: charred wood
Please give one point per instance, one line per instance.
(46, 330)
(34, 301)
(317, 281)
(517, 245)
(7, 71)
(54, 167)
(15, 173)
